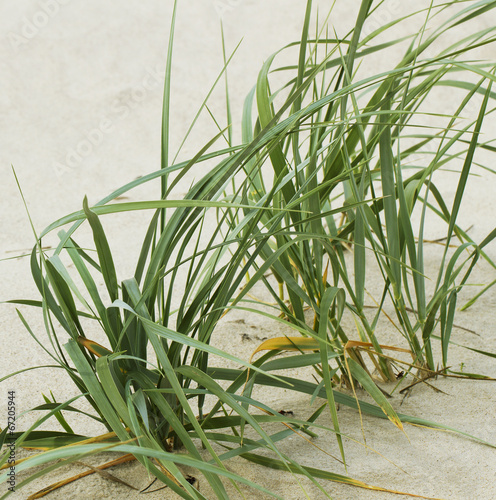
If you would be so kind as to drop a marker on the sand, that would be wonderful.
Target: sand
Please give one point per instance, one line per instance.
(81, 112)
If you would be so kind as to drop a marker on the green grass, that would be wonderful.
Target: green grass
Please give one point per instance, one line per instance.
(337, 158)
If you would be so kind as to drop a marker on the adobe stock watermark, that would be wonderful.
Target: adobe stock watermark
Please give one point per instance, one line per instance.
(10, 440)
(32, 26)
(119, 110)
(381, 17)
(224, 6)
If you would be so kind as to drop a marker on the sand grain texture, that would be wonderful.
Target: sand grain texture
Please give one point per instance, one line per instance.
(94, 71)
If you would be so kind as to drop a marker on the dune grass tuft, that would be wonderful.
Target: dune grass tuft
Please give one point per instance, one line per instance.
(337, 171)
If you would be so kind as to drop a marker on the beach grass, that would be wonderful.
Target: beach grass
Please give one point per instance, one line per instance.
(335, 166)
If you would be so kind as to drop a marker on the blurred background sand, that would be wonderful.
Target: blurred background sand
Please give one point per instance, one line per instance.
(81, 106)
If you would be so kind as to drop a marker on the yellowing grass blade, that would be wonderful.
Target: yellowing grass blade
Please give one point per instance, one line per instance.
(94, 347)
(324, 277)
(323, 474)
(287, 344)
(99, 470)
(355, 343)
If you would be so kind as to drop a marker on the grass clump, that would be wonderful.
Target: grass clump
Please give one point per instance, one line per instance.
(337, 158)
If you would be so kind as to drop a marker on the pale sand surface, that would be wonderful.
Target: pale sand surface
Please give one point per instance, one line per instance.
(99, 65)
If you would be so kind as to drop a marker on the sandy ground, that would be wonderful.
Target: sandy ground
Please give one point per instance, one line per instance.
(81, 108)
